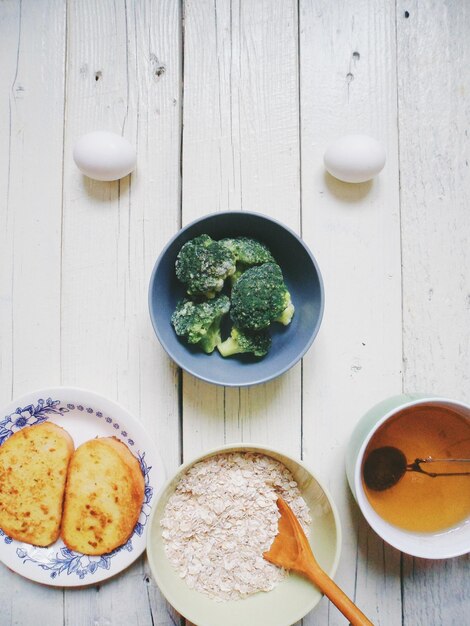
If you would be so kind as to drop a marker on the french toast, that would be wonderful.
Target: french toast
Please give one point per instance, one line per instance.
(103, 497)
(33, 471)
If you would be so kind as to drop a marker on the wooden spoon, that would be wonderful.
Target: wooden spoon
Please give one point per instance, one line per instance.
(291, 550)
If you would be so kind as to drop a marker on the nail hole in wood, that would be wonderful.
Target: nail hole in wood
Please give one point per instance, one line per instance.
(97, 76)
(407, 14)
(349, 77)
(356, 56)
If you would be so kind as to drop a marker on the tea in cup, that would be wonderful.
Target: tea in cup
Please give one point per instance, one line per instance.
(408, 469)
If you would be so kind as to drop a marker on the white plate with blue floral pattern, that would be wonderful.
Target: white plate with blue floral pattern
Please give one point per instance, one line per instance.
(85, 415)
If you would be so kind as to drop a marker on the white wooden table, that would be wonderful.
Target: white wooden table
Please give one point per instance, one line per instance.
(231, 104)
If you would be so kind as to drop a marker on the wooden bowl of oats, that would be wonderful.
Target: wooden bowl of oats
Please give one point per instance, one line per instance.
(211, 524)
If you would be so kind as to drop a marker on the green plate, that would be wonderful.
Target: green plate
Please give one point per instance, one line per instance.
(287, 603)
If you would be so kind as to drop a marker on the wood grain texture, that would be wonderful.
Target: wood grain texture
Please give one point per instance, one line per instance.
(96, 256)
(123, 75)
(434, 118)
(32, 45)
(31, 166)
(267, 85)
(241, 112)
(347, 84)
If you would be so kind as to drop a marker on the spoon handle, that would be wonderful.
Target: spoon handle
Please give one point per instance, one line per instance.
(416, 467)
(347, 607)
(431, 460)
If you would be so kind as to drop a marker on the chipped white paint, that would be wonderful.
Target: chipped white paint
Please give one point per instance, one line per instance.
(355, 231)
(267, 85)
(434, 120)
(31, 128)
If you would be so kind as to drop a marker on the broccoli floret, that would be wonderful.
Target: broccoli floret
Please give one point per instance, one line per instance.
(241, 267)
(260, 297)
(200, 322)
(203, 264)
(288, 312)
(239, 342)
(247, 252)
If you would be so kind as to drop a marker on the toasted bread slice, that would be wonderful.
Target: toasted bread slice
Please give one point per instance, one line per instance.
(103, 499)
(33, 471)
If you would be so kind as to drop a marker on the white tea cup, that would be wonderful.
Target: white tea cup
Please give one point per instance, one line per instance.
(447, 543)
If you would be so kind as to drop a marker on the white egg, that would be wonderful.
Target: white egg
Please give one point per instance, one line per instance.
(104, 156)
(354, 158)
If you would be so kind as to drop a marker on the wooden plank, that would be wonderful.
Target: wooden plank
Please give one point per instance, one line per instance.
(267, 96)
(31, 125)
(241, 112)
(206, 103)
(348, 84)
(31, 156)
(123, 75)
(435, 194)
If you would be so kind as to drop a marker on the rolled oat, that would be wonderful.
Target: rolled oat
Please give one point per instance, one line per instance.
(222, 517)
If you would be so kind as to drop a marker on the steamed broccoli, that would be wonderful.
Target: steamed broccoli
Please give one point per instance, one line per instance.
(200, 322)
(247, 252)
(241, 267)
(203, 264)
(288, 311)
(260, 297)
(240, 341)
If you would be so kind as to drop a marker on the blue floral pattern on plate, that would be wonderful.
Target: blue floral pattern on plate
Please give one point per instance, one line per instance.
(6, 538)
(72, 562)
(28, 416)
(65, 560)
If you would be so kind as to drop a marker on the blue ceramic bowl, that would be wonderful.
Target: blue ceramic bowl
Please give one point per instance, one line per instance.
(289, 343)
